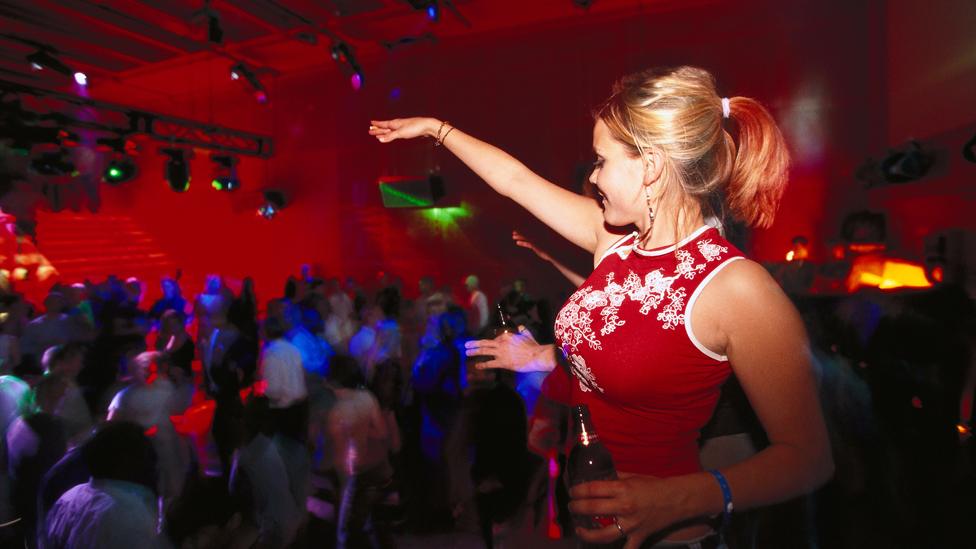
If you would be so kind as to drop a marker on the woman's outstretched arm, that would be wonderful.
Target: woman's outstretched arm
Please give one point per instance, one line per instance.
(575, 217)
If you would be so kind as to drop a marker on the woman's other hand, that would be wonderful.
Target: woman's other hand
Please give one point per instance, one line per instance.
(517, 352)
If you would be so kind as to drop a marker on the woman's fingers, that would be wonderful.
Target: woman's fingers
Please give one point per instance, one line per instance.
(597, 489)
(595, 506)
(384, 130)
(482, 347)
(385, 124)
(606, 534)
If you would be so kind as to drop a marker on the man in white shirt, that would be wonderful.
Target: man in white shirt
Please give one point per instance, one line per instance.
(477, 305)
(283, 380)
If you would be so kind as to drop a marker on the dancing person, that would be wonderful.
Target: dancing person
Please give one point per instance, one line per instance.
(477, 308)
(671, 309)
(572, 276)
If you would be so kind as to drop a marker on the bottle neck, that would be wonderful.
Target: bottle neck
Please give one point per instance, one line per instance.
(585, 433)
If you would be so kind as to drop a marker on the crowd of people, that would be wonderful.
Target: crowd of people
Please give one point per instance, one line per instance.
(353, 404)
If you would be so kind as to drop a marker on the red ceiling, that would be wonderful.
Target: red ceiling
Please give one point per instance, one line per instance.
(127, 45)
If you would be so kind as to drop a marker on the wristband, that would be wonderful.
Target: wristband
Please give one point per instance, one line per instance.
(727, 506)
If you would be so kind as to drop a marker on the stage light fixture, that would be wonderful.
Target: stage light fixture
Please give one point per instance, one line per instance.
(240, 71)
(176, 171)
(53, 164)
(225, 173)
(119, 170)
(342, 54)
(431, 8)
(81, 78)
(45, 59)
(274, 201)
(908, 164)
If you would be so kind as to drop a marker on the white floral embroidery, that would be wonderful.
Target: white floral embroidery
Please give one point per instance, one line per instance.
(710, 251)
(576, 324)
(686, 267)
(673, 314)
(587, 382)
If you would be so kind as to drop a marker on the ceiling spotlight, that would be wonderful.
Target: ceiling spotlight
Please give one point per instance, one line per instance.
(119, 170)
(81, 78)
(342, 54)
(53, 164)
(240, 71)
(225, 173)
(176, 171)
(431, 7)
(44, 59)
(909, 163)
(274, 202)
(434, 11)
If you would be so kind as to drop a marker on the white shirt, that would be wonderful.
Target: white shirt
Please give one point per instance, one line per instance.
(478, 306)
(104, 513)
(281, 370)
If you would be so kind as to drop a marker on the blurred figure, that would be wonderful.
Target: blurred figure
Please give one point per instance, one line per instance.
(361, 443)
(148, 401)
(259, 481)
(284, 381)
(114, 509)
(341, 323)
(436, 382)
(487, 453)
(50, 329)
(178, 350)
(35, 443)
(172, 299)
(13, 319)
(243, 312)
(227, 362)
(477, 305)
(58, 392)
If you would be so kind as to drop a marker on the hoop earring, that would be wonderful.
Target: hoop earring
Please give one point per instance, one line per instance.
(650, 215)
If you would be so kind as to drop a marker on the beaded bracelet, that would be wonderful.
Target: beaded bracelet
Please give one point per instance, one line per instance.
(438, 141)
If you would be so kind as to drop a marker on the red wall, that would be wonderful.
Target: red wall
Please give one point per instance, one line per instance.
(819, 66)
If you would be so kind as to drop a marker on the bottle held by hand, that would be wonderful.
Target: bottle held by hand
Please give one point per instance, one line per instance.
(589, 460)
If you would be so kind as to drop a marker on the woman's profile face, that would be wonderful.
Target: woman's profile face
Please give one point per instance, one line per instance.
(618, 177)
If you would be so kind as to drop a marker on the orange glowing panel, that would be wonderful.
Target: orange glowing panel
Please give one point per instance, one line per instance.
(886, 274)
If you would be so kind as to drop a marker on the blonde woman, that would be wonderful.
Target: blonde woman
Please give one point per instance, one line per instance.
(671, 309)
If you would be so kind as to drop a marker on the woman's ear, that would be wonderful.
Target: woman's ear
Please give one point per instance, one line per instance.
(653, 166)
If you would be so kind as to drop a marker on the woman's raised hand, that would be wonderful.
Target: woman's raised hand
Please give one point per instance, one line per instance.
(403, 128)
